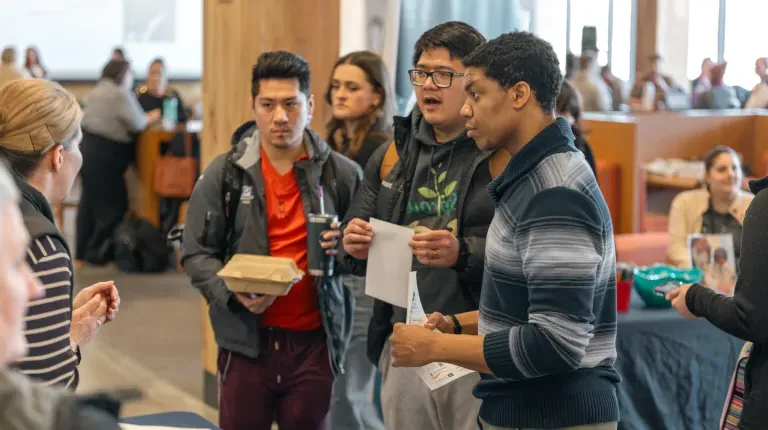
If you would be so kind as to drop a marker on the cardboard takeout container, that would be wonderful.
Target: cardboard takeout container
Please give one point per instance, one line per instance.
(261, 274)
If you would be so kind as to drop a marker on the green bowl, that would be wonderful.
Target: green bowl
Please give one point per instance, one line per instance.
(646, 278)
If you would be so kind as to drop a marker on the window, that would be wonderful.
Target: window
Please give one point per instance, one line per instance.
(550, 23)
(621, 42)
(744, 21)
(703, 18)
(593, 13)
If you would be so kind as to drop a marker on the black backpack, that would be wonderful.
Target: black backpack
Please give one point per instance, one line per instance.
(140, 247)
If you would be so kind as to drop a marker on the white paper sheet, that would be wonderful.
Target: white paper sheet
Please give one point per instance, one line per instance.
(137, 427)
(435, 375)
(389, 262)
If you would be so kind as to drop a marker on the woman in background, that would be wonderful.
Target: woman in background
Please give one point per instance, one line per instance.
(40, 139)
(152, 96)
(716, 208)
(33, 67)
(112, 117)
(568, 106)
(362, 106)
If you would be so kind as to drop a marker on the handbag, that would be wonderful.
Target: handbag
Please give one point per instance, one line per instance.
(734, 402)
(175, 175)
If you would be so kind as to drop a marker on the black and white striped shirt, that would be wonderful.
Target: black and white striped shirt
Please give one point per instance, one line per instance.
(51, 358)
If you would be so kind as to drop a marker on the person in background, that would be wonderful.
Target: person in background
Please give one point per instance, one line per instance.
(616, 86)
(39, 139)
(544, 337)
(662, 84)
(27, 405)
(8, 69)
(152, 97)
(716, 208)
(436, 184)
(595, 94)
(570, 64)
(742, 315)
(703, 82)
(568, 106)
(758, 99)
(33, 67)
(278, 356)
(118, 54)
(719, 95)
(362, 106)
(112, 116)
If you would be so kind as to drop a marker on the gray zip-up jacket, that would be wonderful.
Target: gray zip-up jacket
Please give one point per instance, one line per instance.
(27, 405)
(205, 239)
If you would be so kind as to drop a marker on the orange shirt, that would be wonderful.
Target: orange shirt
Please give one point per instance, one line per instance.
(287, 233)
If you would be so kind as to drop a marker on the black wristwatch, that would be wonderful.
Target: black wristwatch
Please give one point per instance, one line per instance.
(456, 324)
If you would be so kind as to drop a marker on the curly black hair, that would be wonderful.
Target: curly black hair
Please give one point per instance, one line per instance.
(521, 57)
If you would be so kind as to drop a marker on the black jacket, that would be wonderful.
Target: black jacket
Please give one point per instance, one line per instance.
(205, 238)
(387, 200)
(371, 143)
(744, 315)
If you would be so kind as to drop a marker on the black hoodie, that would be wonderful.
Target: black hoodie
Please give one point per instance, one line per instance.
(455, 173)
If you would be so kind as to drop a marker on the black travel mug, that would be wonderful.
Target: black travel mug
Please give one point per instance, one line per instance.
(319, 263)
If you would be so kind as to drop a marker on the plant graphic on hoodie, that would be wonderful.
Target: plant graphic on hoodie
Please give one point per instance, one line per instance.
(440, 191)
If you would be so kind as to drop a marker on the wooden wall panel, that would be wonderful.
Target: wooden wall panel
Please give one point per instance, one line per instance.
(613, 139)
(677, 135)
(646, 28)
(235, 32)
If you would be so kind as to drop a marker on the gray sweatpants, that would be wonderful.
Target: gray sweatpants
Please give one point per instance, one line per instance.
(408, 403)
(351, 404)
(604, 426)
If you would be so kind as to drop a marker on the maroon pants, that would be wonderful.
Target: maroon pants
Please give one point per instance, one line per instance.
(290, 382)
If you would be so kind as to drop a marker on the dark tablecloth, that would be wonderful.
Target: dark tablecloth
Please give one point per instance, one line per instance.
(675, 372)
(172, 419)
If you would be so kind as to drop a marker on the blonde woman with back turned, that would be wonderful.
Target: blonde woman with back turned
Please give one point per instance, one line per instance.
(40, 139)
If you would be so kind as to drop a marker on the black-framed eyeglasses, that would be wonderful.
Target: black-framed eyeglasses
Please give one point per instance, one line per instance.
(441, 78)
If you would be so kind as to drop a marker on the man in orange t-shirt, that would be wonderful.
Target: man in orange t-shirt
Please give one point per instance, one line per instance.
(278, 355)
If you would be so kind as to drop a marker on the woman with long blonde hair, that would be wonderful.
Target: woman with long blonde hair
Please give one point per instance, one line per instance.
(40, 141)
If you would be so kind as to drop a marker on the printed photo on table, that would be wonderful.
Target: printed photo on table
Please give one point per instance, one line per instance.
(715, 256)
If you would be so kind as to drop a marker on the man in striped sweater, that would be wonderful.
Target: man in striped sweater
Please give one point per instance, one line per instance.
(544, 337)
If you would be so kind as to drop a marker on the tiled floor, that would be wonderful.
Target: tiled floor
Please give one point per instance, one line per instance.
(153, 345)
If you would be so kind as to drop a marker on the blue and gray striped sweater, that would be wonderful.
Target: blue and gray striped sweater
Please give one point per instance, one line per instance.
(548, 303)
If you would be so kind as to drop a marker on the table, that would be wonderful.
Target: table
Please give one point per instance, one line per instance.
(675, 372)
(172, 419)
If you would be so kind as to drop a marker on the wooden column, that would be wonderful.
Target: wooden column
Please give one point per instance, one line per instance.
(646, 27)
(235, 32)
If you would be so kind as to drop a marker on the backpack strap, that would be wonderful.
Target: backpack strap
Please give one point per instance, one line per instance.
(390, 159)
(496, 162)
(231, 191)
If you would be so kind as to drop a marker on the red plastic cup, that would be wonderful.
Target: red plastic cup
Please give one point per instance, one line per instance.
(623, 295)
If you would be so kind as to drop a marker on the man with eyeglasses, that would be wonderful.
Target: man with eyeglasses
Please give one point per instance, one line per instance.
(432, 178)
